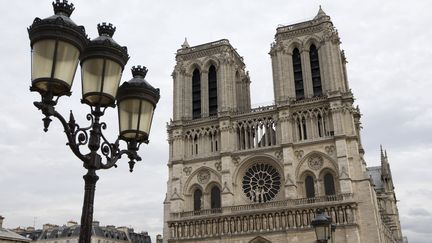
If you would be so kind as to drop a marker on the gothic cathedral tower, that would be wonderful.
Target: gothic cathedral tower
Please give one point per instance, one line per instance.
(242, 174)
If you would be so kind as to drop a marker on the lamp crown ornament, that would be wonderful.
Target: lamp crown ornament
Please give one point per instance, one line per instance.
(139, 71)
(63, 7)
(106, 29)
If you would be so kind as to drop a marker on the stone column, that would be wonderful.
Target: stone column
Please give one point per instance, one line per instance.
(187, 99)
(177, 145)
(343, 166)
(289, 80)
(306, 70)
(289, 173)
(204, 94)
(277, 79)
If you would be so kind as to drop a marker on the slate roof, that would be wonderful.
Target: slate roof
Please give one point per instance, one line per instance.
(74, 231)
(139, 238)
(12, 236)
(107, 232)
(374, 173)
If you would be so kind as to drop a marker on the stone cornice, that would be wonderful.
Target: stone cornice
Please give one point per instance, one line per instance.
(208, 49)
(196, 159)
(302, 31)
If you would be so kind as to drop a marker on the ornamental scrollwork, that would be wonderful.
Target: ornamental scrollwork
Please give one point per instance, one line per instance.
(203, 176)
(218, 166)
(187, 170)
(299, 154)
(315, 162)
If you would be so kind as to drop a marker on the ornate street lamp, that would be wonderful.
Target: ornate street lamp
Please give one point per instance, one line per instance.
(322, 225)
(57, 45)
(136, 101)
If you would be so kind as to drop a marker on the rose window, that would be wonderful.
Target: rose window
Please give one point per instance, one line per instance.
(261, 183)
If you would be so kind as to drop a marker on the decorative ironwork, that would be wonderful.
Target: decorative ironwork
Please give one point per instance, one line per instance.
(261, 183)
(91, 136)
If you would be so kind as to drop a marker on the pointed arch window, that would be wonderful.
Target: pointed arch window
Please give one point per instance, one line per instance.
(195, 145)
(298, 75)
(196, 94)
(315, 70)
(215, 197)
(320, 126)
(329, 186)
(310, 188)
(197, 195)
(304, 127)
(212, 91)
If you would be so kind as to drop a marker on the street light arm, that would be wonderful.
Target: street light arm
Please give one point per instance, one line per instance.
(71, 129)
(112, 153)
(91, 135)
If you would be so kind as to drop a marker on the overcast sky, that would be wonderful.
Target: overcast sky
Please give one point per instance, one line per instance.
(389, 59)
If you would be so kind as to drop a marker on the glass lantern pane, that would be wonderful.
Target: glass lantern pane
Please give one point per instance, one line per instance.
(91, 74)
(66, 62)
(130, 115)
(146, 116)
(42, 60)
(99, 85)
(129, 112)
(113, 72)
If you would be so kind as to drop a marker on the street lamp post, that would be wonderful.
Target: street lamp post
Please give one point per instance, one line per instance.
(323, 226)
(58, 44)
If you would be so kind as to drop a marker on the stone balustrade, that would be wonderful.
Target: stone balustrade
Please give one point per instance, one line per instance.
(300, 202)
(275, 218)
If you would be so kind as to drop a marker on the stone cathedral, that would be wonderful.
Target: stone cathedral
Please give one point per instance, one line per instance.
(255, 175)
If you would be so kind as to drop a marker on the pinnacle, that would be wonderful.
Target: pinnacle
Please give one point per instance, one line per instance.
(185, 44)
(320, 13)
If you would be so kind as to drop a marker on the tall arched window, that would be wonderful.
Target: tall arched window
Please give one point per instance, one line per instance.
(320, 126)
(195, 145)
(329, 184)
(304, 128)
(298, 75)
(215, 199)
(197, 199)
(310, 188)
(212, 91)
(315, 70)
(196, 94)
(299, 129)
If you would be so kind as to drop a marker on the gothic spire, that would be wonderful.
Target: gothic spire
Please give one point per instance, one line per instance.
(384, 163)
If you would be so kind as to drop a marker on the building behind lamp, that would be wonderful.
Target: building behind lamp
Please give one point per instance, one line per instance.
(253, 175)
(69, 233)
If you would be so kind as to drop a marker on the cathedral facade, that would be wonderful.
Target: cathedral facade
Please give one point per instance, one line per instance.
(252, 175)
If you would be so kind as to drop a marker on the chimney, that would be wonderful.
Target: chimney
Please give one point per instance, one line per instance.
(71, 223)
(30, 228)
(49, 226)
(159, 238)
(1, 221)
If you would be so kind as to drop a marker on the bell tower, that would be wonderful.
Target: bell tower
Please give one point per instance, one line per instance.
(307, 60)
(209, 79)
